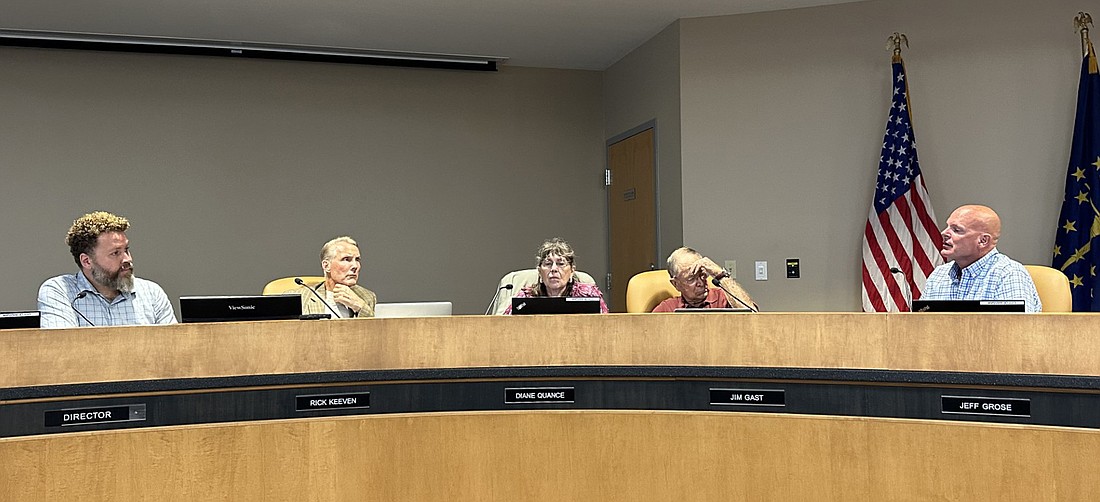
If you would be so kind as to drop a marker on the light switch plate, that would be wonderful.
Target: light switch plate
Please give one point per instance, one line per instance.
(761, 270)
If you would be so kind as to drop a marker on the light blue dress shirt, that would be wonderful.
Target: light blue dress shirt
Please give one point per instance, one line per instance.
(993, 277)
(146, 304)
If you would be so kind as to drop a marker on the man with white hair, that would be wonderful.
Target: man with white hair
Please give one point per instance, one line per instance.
(341, 262)
(689, 271)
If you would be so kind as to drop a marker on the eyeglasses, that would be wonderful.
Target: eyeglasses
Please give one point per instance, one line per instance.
(695, 279)
(549, 264)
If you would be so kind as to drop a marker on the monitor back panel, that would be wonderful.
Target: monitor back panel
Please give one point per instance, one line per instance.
(22, 319)
(968, 306)
(240, 308)
(555, 305)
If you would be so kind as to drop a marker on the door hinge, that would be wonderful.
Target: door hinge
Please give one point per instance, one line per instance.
(609, 281)
(606, 177)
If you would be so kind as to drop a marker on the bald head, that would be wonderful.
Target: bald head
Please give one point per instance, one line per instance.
(982, 218)
(972, 232)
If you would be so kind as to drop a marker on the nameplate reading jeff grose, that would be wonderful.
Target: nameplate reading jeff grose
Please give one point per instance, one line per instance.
(92, 416)
(1003, 406)
(748, 397)
(332, 401)
(526, 395)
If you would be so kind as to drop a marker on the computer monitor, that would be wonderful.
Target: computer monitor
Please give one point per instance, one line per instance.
(20, 319)
(240, 308)
(968, 306)
(555, 305)
(413, 309)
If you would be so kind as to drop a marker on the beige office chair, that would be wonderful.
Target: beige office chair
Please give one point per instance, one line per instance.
(1053, 288)
(520, 278)
(647, 289)
(284, 284)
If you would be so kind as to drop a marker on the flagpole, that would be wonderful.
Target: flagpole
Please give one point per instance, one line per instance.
(1081, 24)
(895, 41)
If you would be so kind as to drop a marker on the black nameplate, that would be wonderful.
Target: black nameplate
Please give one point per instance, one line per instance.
(525, 395)
(332, 401)
(969, 405)
(92, 416)
(748, 397)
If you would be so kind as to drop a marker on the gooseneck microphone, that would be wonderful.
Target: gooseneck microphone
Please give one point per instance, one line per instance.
(72, 304)
(300, 282)
(718, 282)
(909, 295)
(494, 302)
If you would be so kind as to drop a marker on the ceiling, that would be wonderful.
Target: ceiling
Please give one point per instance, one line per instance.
(575, 34)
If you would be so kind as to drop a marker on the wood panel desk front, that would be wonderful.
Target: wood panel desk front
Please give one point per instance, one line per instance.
(861, 418)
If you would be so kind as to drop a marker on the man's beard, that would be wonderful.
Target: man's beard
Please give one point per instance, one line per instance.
(115, 281)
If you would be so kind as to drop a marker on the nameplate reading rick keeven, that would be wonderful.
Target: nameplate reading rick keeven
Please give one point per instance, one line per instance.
(748, 397)
(996, 406)
(98, 415)
(332, 401)
(536, 395)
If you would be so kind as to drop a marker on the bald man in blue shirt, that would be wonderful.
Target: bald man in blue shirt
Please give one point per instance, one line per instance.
(975, 270)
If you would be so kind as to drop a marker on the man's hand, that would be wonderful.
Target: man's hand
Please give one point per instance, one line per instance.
(706, 267)
(346, 297)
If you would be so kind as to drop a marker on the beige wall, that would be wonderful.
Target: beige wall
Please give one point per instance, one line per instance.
(234, 172)
(644, 88)
(782, 122)
(772, 122)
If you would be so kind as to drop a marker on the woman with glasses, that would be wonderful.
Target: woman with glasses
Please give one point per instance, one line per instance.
(555, 266)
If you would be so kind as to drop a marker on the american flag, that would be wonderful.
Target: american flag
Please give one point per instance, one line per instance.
(901, 232)
(1079, 222)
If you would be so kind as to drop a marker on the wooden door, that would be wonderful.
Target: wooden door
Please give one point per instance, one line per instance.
(632, 212)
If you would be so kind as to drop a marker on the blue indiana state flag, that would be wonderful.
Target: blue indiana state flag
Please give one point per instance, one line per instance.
(1079, 222)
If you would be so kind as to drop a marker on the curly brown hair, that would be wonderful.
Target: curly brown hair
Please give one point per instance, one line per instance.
(555, 246)
(86, 230)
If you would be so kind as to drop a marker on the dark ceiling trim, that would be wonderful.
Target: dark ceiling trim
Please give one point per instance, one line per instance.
(194, 47)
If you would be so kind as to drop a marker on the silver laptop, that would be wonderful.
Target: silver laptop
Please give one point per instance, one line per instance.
(412, 309)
